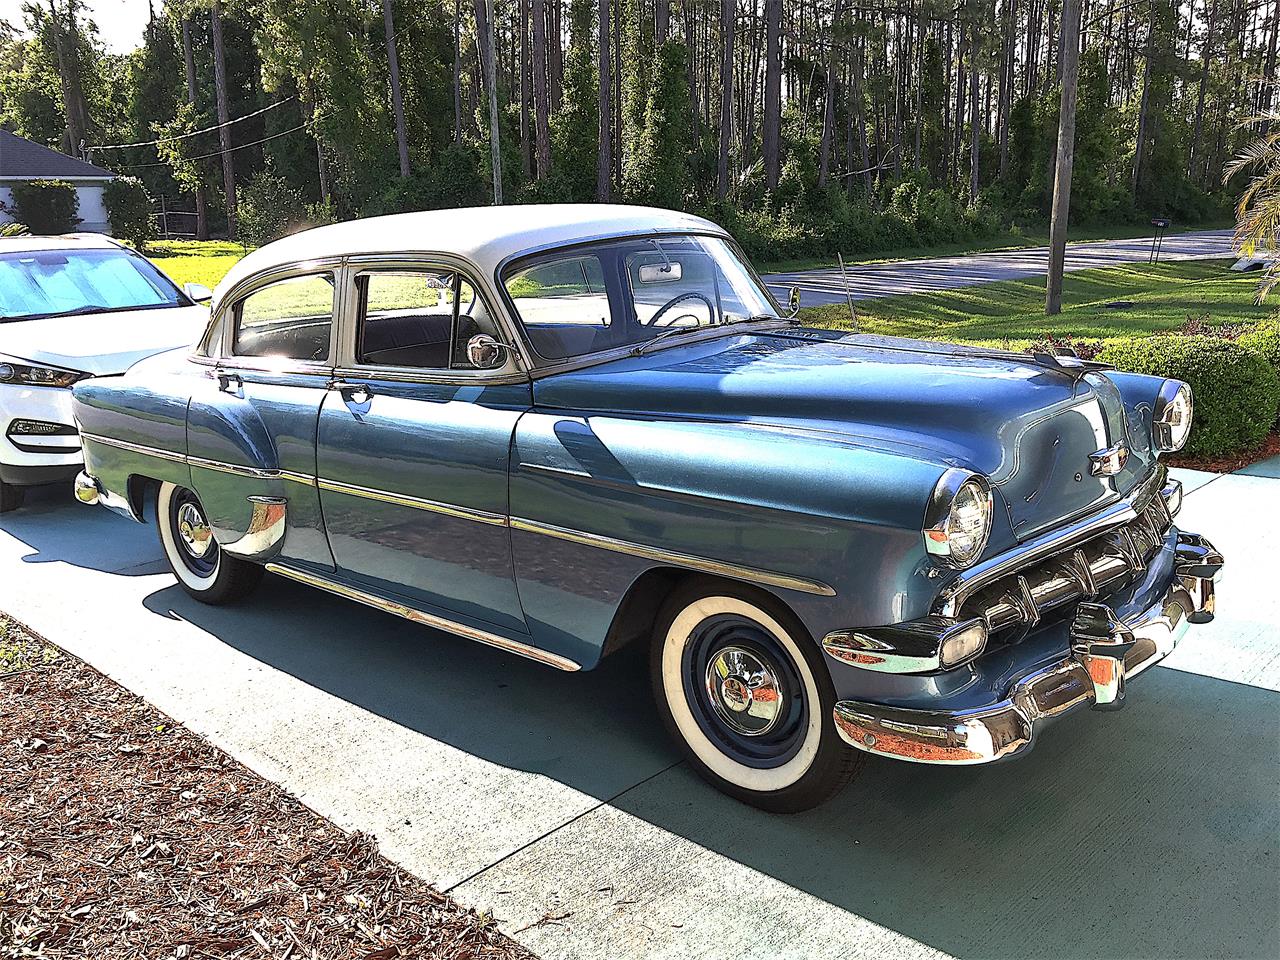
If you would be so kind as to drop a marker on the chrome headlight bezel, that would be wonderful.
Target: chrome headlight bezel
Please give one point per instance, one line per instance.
(1171, 416)
(943, 537)
(19, 373)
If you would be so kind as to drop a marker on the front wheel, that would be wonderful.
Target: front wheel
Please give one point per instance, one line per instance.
(203, 569)
(744, 691)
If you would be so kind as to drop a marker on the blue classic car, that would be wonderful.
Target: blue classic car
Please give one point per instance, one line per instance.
(558, 430)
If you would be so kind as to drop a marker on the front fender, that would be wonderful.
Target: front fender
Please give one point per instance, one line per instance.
(821, 509)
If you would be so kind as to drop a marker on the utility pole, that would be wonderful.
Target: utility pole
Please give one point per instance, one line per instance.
(1066, 156)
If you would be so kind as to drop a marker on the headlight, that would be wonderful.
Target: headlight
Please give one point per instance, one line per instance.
(1171, 418)
(958, 519)
(32, 376)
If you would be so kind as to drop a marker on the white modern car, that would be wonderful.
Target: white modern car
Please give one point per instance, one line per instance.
(71, 307)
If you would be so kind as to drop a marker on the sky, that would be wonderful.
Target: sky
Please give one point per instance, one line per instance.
(120, 22)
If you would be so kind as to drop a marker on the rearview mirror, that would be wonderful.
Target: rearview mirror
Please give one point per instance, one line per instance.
(197, 292)
(660, 272)
(793, 301)
(485, 353)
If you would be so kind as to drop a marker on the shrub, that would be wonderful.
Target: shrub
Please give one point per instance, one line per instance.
(46, 206)
(268, 208)
(1237, 393)
(129, 210)
(14, 229)
(1264, 339)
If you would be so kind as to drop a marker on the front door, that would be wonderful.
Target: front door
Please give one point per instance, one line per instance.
(413, 447)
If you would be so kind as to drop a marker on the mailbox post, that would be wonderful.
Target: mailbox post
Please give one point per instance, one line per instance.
(1157, 240)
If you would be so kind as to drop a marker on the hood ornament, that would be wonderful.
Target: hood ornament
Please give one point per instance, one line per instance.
(1108, 462)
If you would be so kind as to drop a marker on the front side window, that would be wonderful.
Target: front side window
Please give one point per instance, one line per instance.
(578, 301)
(289, 318)
(51, 283)
(421, 318)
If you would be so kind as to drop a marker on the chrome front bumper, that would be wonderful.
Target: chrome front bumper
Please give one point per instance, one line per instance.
(1105, 652)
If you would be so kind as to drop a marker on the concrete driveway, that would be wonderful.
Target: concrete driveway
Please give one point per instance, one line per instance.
(554, 800)
(867, 281)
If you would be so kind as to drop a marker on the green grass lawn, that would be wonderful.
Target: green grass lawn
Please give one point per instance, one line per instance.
(195, 261)
(1011, 312)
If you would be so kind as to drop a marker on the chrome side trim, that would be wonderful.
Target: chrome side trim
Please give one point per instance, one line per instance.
(417, 503)
(295, 477)
(426, 619)
(717, 567)
(136, 448)
(258, 473)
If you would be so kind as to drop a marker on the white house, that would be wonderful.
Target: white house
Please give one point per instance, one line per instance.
(21, 159)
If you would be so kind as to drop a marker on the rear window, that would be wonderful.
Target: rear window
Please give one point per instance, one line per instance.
(51, 283)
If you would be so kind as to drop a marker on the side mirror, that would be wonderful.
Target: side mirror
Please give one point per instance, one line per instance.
(793, 301)
(485, 353)
(197, 292)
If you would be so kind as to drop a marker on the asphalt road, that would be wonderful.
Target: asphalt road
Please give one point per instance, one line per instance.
(945, 273)
(555, 801)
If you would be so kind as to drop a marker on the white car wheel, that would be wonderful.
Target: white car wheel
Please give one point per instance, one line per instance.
(203, 569)
(747, 701)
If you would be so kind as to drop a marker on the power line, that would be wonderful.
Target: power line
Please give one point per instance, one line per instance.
(194, 133)
(216, 153)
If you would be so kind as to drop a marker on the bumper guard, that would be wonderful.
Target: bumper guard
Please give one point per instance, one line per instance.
(1105, 652)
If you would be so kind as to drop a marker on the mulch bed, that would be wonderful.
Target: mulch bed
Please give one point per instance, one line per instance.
(122, 834)
(1270, 448)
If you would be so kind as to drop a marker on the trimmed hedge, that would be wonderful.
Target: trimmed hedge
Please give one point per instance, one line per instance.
(1264, 339)
(46, 206)
(1237, 393)
(129, 210)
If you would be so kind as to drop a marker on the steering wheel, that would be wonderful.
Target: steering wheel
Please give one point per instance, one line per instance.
(687, 295)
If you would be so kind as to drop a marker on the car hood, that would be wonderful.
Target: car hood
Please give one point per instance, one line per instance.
(1028, 426)
(102, 343)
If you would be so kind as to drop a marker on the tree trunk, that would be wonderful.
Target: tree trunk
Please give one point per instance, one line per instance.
(526, 166)
(975, 131)
(457, 73)
(728, 15)
(772, 92)
(1140, 145)
(541, 106)
(67, 50)
(661, 22)
(489, 80)
(1070, 63)
(189, 60)
(556, 53)
(224, 117)
(695, 111)
(397, 101)
(604, 161)
(829, 104)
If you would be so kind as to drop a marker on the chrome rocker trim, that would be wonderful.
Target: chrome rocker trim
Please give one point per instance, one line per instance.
(1105, 652)
(426, 619)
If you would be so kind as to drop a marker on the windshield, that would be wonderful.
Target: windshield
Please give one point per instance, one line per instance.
(50, 283)
(581, 300)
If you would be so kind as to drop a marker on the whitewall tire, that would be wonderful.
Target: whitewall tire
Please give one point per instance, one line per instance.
(203, 569)
(742, 688)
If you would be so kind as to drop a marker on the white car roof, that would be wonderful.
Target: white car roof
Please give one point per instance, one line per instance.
(67, 241)
(483, 235)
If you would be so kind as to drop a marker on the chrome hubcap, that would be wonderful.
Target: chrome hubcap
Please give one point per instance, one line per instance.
(744, 691)
(196, 536)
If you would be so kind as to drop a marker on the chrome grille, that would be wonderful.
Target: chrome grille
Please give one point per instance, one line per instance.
(1015, 603)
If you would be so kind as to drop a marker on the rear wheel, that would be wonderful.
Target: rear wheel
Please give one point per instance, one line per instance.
(11, 496)
(203, 568)
(744, 691)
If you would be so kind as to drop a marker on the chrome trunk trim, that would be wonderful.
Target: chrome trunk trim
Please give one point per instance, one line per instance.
(426, 619)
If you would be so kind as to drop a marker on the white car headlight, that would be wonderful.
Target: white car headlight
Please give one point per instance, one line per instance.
(29, 375)
(958, 518)
(1171, 417)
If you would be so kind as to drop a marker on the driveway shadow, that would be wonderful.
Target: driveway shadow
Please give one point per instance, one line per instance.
(60, 530)
(1152, 832)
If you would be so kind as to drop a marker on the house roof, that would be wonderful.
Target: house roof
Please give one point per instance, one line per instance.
(21, 159)
(484, 235)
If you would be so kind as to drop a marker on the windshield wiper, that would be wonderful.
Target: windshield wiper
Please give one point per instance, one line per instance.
(640, 349)
(87, 308)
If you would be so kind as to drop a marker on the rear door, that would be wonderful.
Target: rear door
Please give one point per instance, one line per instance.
(414, 443)
(251, 426)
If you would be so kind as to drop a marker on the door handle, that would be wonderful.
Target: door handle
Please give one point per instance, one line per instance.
(229, 382)
(355, 392)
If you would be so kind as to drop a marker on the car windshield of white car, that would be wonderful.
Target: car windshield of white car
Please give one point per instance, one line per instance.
(51, 283)
(574, 301)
